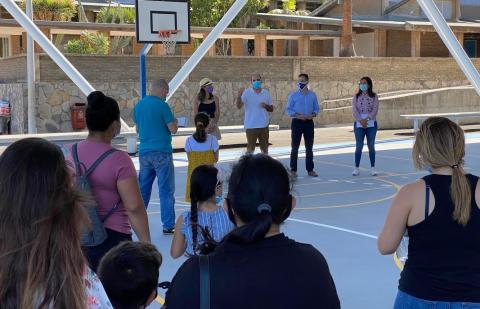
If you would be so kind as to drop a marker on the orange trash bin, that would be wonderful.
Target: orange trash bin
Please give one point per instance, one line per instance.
(77, 114)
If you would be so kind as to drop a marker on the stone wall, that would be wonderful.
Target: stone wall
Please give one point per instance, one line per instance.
(331, 79)
(16, 94)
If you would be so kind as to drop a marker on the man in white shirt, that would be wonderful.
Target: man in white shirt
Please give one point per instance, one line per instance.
(258, 104)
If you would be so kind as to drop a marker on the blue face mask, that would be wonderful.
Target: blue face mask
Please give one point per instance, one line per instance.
(257, 84)
(364, 87)
(218, 200)
(301, 86)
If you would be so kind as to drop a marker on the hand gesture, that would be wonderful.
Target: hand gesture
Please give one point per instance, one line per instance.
(364, 123)
(240, 91)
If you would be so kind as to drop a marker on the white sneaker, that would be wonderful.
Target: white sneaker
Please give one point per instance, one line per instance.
(356, 171)
(373, 171)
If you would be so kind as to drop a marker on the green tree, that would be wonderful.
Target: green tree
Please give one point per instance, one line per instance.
(289, 5)
(207, 13)
(88, 44)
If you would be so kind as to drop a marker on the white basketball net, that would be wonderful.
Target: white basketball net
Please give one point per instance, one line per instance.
(169, 40)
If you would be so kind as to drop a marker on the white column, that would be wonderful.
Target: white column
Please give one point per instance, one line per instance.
(336, 47)
(31, 111)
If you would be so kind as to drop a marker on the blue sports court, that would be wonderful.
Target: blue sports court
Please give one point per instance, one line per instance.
(339, 214)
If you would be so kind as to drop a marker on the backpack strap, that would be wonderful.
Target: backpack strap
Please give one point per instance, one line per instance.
(88, 172)
(76, 161)
(427, 201)
(110, 212)
(92, 168)
(204, 265)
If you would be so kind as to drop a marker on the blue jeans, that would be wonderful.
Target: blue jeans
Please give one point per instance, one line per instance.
(159, 164)
(406, 301)
(371, 134)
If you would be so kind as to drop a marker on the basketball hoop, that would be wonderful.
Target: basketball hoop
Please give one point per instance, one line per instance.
(169, 40)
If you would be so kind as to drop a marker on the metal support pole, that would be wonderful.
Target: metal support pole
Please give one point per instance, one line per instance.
(143, 69)
(202, 50)
(450, 40)
(32, 117)
(52, 51)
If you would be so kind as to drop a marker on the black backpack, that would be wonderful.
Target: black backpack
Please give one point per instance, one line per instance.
(97, 234)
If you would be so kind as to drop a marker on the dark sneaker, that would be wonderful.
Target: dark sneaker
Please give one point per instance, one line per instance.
(312, 174)
(168, 231)
(293, 174)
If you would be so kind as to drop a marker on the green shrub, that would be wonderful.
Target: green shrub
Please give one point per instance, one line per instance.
(116, 15)
(88, 44)
(54, 10)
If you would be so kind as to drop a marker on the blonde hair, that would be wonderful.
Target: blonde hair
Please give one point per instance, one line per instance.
(441, 143)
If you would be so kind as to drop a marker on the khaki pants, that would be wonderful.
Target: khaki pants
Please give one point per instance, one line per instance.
(261, 135)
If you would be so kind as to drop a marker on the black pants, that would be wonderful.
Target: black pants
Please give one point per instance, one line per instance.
(307, 129)
(95, 254)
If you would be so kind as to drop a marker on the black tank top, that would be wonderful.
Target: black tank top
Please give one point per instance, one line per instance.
(208, 108)
(443, 256)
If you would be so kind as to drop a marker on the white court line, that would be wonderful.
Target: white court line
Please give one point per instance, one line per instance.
(333, 228)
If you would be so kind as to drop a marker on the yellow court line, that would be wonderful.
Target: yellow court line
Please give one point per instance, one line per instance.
(160, 300)
(393, 157)
(395, 185)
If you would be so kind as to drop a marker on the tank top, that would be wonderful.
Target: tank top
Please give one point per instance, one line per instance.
(443, 256)
(208, 108)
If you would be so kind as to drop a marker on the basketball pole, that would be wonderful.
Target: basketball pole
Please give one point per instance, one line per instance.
(202, 50)
(451, 41)
(31, 108)
(143, 70)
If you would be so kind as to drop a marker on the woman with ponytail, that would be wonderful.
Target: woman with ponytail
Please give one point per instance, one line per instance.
(201, 148)
(257, 266)
(199, 229)
(442, 217)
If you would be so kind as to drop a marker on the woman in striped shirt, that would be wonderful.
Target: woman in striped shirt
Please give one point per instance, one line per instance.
(205, 219)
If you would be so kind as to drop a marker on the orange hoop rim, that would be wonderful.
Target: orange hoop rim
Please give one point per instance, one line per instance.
(166, 33)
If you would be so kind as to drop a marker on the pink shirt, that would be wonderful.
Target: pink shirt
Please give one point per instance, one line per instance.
(103, 181)
(364, 104)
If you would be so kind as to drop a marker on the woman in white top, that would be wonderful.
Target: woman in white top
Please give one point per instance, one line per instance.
(201, 148)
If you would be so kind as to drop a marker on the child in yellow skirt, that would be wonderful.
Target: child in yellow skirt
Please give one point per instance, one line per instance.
(201, 148)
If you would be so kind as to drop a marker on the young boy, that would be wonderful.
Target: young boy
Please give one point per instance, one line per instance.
(129, 273)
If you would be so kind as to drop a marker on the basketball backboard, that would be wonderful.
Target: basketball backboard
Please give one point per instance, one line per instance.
(155, 15)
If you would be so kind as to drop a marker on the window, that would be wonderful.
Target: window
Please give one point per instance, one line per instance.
(4, 47)
(471, 48)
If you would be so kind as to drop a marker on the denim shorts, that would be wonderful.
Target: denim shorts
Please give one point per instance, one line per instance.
(406, 301)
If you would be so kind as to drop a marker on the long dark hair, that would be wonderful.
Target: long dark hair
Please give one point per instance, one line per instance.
(370, 92)
(203, 95)
(259, 194)
(201, 123)
(101, 112)
(41, 261)
(202, 188)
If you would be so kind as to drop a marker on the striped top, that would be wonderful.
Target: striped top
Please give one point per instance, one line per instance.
(217, 222)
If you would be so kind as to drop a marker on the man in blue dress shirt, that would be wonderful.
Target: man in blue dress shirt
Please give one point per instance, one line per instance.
(302, 107)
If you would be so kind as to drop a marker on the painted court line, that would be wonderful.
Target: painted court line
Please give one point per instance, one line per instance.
(333, 228)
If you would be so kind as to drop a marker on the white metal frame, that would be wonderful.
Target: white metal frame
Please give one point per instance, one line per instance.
(51, 50)
(451, 41)
(202, 50)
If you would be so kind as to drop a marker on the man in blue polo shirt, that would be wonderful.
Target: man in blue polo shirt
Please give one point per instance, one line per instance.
(302, 107)
(155, 126)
